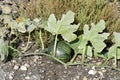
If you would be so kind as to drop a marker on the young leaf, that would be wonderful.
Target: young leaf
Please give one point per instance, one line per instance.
(63, 26)
(39, 23)
(3, 50)
(21, 27)
(31, 27)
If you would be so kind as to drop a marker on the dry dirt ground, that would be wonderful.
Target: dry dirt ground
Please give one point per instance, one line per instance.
(42, 68)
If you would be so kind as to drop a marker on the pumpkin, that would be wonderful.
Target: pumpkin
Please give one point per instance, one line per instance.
(63, 51)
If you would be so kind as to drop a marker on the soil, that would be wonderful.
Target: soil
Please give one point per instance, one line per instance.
(43, 68)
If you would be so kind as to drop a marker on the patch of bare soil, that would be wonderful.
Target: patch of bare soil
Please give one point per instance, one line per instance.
(42, 68)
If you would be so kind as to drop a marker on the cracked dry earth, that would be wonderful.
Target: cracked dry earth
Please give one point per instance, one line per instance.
(42, 68)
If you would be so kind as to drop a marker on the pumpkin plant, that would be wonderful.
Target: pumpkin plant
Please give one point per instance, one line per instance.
(91, 42)
(63, 27)
(24, 25)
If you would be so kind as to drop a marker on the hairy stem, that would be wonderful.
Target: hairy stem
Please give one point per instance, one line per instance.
(41, 40)
(83, 54)
(25, 49)
(115, 63)
(55, 45)
(15, 49)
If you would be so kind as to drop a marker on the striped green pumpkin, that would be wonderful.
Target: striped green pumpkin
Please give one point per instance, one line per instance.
(63, 51)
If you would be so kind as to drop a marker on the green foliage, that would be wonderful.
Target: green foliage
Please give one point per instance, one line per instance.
(91, 42)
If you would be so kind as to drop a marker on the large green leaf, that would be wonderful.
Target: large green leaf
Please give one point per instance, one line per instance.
(3, 50)
(63, 26)
(95, 36)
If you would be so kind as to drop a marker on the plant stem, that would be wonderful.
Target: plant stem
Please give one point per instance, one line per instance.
(39, 53)
(27, 43)
(41, 40)
(115, 63)
(83, 54)
(105, 62)
(13, 40)
(90, 65)
(15, 49)
(72, 60)
(55, 45)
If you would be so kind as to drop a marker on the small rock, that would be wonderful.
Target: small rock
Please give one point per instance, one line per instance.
(15, 67)
(77, 77)
(101, 74)
(14, 61)
(92, 72)
(85, 78)
(36, 58)
(23, 45)
(27, 65)
(98, 63)
(23, 68)
(103, 70)
(27, 77)
(10, 77)
(93, 67)
(37, 50)
(65, 72)
(96, 79)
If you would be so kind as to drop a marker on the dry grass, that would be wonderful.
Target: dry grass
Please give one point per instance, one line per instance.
(87, 11)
